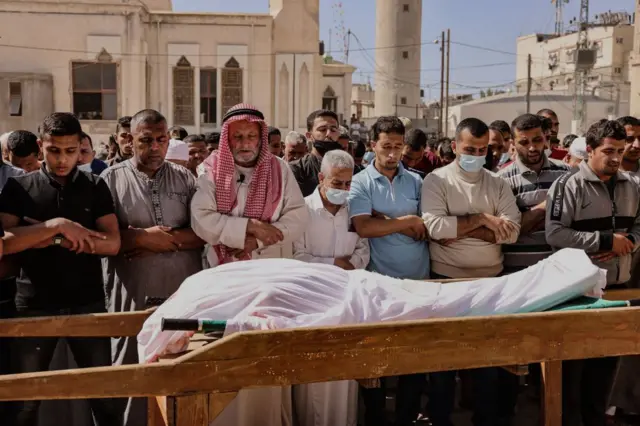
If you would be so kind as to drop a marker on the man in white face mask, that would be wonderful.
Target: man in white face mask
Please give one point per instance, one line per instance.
(327, 239)
(469, 212)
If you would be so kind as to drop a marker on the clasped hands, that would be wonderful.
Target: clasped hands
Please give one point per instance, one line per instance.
(501, 229)
(257, 230)
(622, 246)
(76, 237)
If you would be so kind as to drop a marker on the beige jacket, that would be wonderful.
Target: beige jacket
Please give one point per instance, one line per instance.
(291, 216)
(450, 192)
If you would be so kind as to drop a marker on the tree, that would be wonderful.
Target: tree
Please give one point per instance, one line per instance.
(489, 92)
(482, 94)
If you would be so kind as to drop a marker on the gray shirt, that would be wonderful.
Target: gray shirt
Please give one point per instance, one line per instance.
(142, 202)
(7, 171)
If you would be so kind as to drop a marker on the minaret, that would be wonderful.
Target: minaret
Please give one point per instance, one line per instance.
(397, 57)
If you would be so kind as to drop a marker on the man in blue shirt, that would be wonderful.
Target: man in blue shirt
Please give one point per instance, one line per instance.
(384, 206)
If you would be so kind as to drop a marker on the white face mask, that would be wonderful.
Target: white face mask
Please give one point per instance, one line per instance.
(337, 196)
(472, 163)
(85, 167)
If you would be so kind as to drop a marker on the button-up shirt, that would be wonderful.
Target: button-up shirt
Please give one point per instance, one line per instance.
(142, 202)
(59, 278)
(395, 255)
(327, 237)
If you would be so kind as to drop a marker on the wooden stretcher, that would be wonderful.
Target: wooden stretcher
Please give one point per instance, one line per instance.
(193, 388)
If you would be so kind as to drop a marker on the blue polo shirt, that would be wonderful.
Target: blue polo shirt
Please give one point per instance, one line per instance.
(394, 255)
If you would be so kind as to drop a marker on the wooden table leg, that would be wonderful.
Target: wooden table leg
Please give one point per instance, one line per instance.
(218, 402)
(190, 410)
(551, 393)
(157, 411)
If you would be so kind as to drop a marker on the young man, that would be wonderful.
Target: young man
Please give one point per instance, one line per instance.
(23, 150)
(554, 129)
(212, 140)
(507, 137)
(327, 239)
(631, 157)
(87, 160)
(384, 206)
(323, 132)
(275, 141)
(123, 141)
(197, 152)
(59, 222)
(496, 147)
(413, 152)
(530, 176)
(595, 208)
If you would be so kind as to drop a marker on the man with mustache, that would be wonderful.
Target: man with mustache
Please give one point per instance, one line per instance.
(595, 208)
(631, 157)
(554, 127)
(323, 132)
(123, 140)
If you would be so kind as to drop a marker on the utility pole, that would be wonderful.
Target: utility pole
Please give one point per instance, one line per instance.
(559, 15)
(346, 57)
(528, 96)
(446, 111)
(442, 47)
(584, 63)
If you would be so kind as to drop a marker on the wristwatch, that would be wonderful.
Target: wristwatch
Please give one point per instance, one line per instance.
(57, 240)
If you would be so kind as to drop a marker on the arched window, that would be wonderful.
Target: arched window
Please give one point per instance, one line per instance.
(329, 99)
(183, 93)
(231, 84)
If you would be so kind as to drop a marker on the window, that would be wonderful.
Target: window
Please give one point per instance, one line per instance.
(15, 99)
(405, 7)
(618, 70)
(208, 98)
(405, 54)
(619, 40)
(403, 100)
(231, 85)
(183, 88)
(329, 99)
(95, 88)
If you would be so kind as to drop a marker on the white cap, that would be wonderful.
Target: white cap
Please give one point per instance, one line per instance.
(178, 150)
(578, 148)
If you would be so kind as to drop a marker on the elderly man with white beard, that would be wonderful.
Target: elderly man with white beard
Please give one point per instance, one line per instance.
(327, 240)
(248, 206)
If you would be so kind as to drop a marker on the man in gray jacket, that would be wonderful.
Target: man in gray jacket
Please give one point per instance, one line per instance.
(595, 208)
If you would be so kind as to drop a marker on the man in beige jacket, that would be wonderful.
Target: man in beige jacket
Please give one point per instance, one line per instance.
(469, 212)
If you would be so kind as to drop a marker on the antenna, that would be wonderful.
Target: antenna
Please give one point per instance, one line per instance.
(559, 15)
(585, 60)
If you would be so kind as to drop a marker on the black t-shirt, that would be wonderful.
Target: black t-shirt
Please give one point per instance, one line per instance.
(59, 278)
(306, 172)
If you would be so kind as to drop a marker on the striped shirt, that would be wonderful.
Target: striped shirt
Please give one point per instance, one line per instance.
(530, 189)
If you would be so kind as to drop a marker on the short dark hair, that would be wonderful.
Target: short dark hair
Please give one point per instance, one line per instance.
(546, 123)
(123, 122)
(386, 124)
(526, 122)
(212, 137)
(604, 129)
(182, 132)
(274, 131)
(475, 126)
(628, 121)
(501, 126)
(568, 140)
(360, 150)
(432, 143)
(23, 143)
(146, 116)
(416, 139)
(194, 138)
(547, 111)
(311, 118)
(84, 135)
(446, 150)
(60, 124)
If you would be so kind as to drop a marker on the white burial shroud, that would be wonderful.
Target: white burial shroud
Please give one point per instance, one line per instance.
(284, 293)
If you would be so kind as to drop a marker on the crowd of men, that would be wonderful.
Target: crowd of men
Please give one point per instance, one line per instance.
(83, 235)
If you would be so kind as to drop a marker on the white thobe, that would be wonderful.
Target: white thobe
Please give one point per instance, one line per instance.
(325, 239)
(266, 406)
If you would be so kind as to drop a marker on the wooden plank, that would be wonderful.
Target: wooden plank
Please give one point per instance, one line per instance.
(284, 357)
(157, 411)
(622, 294)
(94, 325)
(552, 393)
(218, 402)
(191, 410)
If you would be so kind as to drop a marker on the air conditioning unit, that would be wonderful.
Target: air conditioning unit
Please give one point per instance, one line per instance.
(586, 58)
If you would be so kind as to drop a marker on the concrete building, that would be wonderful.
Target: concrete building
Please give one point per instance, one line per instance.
(553, 59)
(102, 59)
(363, 101)
(634, 67)
(509, 106)
(397, 58)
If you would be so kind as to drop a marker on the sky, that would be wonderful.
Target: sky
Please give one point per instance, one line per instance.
(493, 24)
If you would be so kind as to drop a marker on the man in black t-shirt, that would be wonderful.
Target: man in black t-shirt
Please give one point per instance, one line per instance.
(58, 222)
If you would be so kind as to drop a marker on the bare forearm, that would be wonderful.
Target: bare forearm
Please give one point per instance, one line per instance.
(187, 239)
(108, 247)
(374, 227)
(484, 234)
(129, 240)
(23, 238)
(531, 220)
(467, 224)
